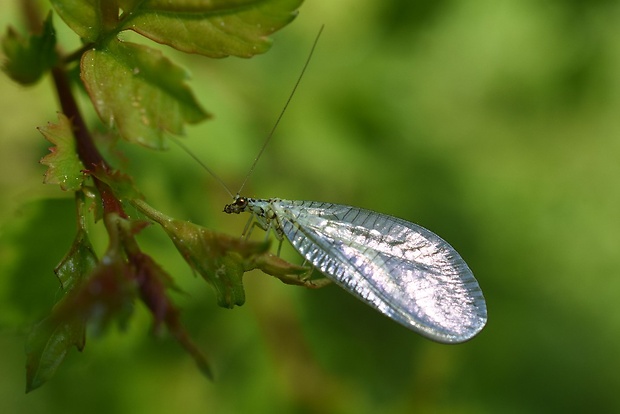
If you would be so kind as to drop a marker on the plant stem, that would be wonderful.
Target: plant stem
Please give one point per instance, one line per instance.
(30, 11)
(88, 153)
(150, 212)
(77, 54)
(86, 149)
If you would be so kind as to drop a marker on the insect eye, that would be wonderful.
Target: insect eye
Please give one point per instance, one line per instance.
(241, 201)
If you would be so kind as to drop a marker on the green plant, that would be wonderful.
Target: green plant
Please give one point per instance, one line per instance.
(141, 97)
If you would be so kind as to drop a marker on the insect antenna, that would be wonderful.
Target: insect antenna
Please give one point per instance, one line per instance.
(202, 164)
(288, 101)
(260, 153)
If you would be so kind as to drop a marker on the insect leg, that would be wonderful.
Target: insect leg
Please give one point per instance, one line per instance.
(292, 274)
(249, 227)
(307, 280)
(275, 229)
(246, 233)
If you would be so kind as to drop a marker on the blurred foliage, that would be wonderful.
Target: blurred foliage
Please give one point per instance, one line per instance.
(139, 94)
(492, 123)
(27, 59)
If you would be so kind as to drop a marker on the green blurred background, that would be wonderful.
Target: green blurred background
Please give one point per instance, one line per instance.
(493, 123)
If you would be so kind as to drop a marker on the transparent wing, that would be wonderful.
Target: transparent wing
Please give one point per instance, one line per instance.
(401, 269)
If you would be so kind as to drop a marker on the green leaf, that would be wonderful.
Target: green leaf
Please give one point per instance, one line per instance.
(140, 91)
(108, 293)
(64, 165)
(27, 59)
(79, 262)
(219, 258)
(121, 184)
(214, 28)
(46, 348)
(84, 17)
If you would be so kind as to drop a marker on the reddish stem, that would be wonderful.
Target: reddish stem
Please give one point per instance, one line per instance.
(86, 149)
(31, 13)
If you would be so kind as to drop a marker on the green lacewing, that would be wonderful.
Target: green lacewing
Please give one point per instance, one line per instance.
(399, 268)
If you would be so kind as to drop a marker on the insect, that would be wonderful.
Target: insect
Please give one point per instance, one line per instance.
(401, 269)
